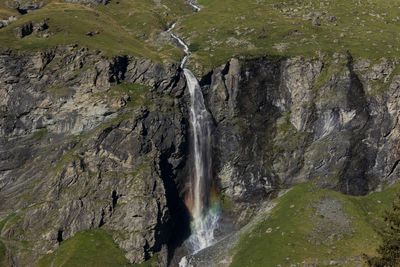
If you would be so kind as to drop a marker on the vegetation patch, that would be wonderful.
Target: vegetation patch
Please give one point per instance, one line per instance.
(287, 137)
(60, 91)
(271, 27)
(10, 219)
(226, 203)
(149, 263)
(2, 255)
(40, 134)
(89, 248)
(138, 94)
(366, 29)
(121, 27)
(6, 11)
(299, 229)
(328, 71)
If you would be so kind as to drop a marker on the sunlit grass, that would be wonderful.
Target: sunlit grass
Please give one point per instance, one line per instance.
(364, 28)
(284, 237)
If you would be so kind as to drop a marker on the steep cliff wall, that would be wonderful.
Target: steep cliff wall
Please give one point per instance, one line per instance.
(89, 142)
(285, 121)
(78, 151)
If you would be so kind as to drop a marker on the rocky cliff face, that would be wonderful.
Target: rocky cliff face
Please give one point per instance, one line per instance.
(78, 152)
(83, 145)
(285, 121)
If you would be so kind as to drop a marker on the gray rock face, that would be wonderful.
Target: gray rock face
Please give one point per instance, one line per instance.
(77, 153)
(25, 6)
(8, 21)
(285, 121)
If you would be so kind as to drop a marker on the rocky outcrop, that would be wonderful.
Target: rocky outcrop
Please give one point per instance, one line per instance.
(8, 21)
(285, 121)
(25, 6)
(24, 30)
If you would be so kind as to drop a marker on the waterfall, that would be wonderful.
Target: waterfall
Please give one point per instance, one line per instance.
(204, 211)
(193, 4)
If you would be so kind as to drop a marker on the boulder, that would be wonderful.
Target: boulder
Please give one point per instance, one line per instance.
(23, 30)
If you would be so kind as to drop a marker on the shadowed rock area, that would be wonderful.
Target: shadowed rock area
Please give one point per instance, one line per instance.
(285, 121)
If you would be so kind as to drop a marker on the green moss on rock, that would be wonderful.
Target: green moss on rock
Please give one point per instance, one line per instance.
(138, 93)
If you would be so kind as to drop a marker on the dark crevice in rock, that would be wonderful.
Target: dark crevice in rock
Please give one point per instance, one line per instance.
(392, 128)
(225, 72)
(101, 223)
(114, 197)
(22, 11)
(146, 249)
(394, 167)
(60, 236)
(354, 180)
(180, 217)
(102, 136)
(118, 69)
(206, 80)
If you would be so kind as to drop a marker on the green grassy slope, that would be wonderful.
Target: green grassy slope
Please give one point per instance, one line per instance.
(316, 226)
(2, 255)
(224, 28)
(221, 30)
(5, 11)
(89, 248)
(124, 27)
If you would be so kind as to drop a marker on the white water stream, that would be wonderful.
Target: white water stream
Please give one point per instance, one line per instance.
(205, 214)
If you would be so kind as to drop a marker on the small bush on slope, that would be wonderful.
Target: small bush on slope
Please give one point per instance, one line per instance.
(389, 251)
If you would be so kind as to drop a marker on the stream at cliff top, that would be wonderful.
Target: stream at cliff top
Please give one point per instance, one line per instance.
(200, 199)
